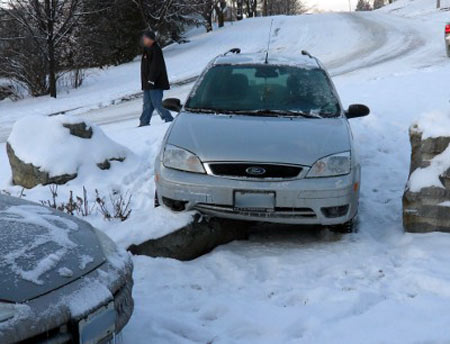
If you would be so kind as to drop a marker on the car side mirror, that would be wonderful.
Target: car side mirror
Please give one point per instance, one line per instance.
(172, 104)
(357, 110)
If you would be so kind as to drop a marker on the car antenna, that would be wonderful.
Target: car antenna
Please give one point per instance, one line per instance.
(266, 61)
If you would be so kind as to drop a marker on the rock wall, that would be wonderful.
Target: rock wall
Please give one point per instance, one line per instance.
(427, 209)
(194, 240)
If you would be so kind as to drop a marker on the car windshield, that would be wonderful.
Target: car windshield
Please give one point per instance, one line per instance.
(265, 90)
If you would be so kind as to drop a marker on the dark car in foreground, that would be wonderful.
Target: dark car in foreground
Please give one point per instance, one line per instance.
(62, 281)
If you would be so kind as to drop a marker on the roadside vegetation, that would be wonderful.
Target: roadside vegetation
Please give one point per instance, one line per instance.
(46, 45)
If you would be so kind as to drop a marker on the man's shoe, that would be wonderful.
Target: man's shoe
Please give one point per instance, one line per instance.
(143, 125)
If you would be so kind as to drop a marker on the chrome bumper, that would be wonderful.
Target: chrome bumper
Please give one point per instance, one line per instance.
(299, 201)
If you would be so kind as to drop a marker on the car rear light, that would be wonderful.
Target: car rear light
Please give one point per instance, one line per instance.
(447, 29)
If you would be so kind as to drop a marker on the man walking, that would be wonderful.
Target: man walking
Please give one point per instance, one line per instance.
(154, 79)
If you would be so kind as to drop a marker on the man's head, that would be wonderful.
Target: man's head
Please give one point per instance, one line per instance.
(148, 38)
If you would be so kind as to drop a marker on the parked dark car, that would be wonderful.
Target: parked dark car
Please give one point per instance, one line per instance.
(62, 281)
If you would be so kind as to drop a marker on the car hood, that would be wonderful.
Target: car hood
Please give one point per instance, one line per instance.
(260, 139)
(42, 250)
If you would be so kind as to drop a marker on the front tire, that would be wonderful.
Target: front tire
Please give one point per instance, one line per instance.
(345, 228)
(157, 204)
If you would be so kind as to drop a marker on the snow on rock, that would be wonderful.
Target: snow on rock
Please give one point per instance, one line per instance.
(428, 189)
(430, 136)
(433, 124)
(45, 150)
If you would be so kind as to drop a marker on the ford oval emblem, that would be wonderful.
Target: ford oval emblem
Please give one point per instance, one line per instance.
(256, 171)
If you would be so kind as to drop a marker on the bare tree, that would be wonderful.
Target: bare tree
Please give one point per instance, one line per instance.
(363, 5)
(167, 17)
(45, 27)
(288, 7)
(378, 4)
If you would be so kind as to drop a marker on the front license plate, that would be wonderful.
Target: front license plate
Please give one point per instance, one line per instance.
(254, 200)
(98, 327)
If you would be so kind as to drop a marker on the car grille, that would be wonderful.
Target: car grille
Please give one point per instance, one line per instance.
(258, 171)
(60, 335)
(65, 334)
(262, 213)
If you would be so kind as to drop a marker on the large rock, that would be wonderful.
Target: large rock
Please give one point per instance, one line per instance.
(51, 150)
(28, 175)
(426, 203)
(194, 240)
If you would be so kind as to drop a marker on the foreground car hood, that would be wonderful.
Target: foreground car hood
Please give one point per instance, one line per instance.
(42, 250)
(260, 139)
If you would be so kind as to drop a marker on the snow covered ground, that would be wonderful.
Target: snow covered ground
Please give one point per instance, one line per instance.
(286, 285)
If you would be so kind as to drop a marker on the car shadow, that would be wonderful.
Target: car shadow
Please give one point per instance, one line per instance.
(267, 233)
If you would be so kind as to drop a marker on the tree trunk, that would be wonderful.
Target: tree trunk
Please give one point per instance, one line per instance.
(51, 70)
(220, 10)
(208, 21)
(254, 7)
(51, 60)
(220, 18)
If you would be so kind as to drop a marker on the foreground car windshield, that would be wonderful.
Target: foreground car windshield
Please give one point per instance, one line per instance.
(275, 90)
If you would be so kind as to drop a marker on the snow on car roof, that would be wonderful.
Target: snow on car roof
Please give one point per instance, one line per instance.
(274, 59)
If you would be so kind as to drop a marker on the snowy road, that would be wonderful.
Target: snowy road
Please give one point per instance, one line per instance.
(378, 41)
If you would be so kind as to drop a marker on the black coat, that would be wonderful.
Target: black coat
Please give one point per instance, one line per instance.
(153, 69)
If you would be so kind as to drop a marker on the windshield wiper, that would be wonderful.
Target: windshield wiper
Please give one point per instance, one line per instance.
(210, 110)
(201, 110)
(261, 112)
(277, 113)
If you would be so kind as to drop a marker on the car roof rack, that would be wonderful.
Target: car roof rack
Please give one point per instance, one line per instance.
(233, 51)
(306, 53)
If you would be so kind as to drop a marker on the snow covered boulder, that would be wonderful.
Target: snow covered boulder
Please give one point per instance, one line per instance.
(426, 201)
(52, 150)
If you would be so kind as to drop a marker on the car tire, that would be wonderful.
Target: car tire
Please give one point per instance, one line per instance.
(157, 204)
(345, 228)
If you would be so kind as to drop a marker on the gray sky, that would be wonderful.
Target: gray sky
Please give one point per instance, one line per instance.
(332, 5)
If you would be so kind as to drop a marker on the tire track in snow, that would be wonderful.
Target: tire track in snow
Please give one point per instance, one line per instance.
(378, 35)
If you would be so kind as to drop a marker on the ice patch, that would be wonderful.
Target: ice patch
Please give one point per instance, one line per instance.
(85, 260)
(57, 230)
(65, 272)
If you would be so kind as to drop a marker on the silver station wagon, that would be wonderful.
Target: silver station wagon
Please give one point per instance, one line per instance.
(262, 138)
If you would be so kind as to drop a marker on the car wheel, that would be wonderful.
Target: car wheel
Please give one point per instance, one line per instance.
(345, 228)
(157, 204)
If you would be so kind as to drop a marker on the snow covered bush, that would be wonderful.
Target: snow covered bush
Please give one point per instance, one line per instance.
(426, 200)
(55, 150)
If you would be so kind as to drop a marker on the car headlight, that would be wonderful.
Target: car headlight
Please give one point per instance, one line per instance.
(181, 159)
(7, 312)
(331, 166)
